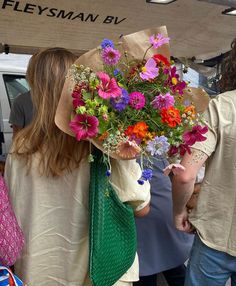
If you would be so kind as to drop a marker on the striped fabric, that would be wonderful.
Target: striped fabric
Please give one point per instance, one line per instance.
(7, 278)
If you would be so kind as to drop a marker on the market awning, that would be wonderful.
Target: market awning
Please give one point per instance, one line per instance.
(196, 28)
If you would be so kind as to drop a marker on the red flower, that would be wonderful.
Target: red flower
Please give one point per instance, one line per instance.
(173, 81)
(77, 98)
(160, 59)
(170, 116)
(183, 148)
(195, 135)
(173, 151)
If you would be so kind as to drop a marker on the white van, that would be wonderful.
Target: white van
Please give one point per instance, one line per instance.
(12, 83)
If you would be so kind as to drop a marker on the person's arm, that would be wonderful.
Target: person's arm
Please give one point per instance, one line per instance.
(143, 212)
(124, 179)
(183, 187)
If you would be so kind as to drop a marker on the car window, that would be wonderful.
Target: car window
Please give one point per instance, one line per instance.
(15, 85)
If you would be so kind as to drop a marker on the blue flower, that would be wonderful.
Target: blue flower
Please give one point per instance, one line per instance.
(147, 174)
(158, 146)
(119, 103)
(116, 72)
(107, 43)
(108, 173)
(141, 182)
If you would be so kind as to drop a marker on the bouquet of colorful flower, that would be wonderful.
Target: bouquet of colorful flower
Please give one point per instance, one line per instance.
(134, 106)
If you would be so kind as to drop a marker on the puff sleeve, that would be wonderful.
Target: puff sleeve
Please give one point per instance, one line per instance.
(124, 177)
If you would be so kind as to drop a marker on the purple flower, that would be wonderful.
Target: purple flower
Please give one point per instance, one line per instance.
(150, 70)
(195, 135)
(163, 101)
(158, 40)
(137, 100)
(147, 174)
(107, 43)
(187, 102)
(119, 103)
(158, 146)
(110, 56)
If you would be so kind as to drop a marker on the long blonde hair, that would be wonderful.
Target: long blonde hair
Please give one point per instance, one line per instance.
(57, 151)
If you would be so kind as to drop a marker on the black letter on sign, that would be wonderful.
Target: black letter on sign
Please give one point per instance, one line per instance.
(108, 20)
(52, 12)
(63, 15)
(118, 22)
(16, 7)
(7, 3)
(91, 18)
(29, 8)
(41, 10)
(80, 15)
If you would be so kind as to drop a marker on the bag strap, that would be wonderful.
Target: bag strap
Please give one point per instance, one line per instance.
(11, 278)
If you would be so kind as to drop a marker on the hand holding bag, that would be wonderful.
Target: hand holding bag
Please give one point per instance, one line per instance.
(11, 236)
(112, 229)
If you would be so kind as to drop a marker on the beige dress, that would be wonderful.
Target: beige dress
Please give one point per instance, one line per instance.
(53, 213)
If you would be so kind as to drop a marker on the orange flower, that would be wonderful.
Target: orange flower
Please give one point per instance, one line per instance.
(170, 116)
(103, 136)
(190, 111)
(129, 131)
(140, 129)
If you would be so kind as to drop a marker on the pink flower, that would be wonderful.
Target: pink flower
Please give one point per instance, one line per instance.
(163, 101)
(110, 56)
(150, 70)
(108, 87)
(84, 126)
(158, 40)
(195, 135)
(136, 100)
(78, 102)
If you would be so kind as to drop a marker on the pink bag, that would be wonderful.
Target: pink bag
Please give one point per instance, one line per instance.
(11, 236)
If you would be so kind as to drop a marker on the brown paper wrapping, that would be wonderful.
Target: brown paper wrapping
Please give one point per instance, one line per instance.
(134, 45)
(198, 97)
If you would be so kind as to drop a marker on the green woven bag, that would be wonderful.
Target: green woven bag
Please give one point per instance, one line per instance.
(112, 229)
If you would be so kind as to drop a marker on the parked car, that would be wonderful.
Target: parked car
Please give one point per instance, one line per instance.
(12, 83)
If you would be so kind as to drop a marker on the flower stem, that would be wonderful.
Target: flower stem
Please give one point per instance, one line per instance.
(146, 52)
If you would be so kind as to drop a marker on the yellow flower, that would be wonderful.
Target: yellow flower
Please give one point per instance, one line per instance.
(174, 80)
(144, 69)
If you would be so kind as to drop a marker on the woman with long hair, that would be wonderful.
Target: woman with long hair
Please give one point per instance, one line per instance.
(48, 174)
